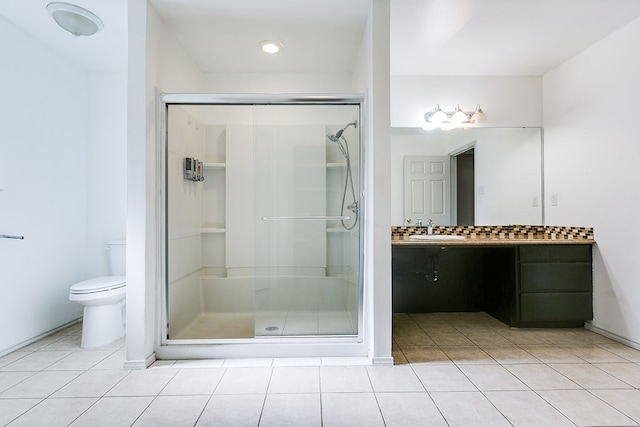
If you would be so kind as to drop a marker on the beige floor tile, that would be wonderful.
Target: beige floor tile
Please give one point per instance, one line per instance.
(541, 377)
(527, 409)
(450, 339)
(173, 411)
(54, 412)
(193, 381)
(232, 410)
(628, 353)
(40, 385)
(147, 382)
(244, 381)
(341, 379)
(625, 401)
(443, 378)
(416, 354)
(394, 379)
(113, 412)
(295, 380)
(9, 379)
(13, 408)
(551, 354)
(492, 377)
(589, 376)
(113, 361)
(291, 410)
(522, 337)
(467, 355)
(36, 361)
(92, 384)
(413, 338)
(593, 354)
(626, 372)
(584, 409)
(468, 409)
(487, 338)
(509, 354)
(350, 410)
(12, 357)
(409, 409)
(80, 360)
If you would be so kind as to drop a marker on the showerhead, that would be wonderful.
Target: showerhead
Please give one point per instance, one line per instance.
(338, 135)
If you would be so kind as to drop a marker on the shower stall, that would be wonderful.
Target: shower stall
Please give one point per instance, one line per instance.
(261, 207)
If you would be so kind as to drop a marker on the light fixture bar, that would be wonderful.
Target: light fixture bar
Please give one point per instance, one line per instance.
(439, 119)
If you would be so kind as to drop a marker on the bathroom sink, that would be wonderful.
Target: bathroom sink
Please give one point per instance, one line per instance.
(435, 237)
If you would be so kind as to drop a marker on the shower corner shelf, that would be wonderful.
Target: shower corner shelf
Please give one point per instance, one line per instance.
(213, 165)
(212, 230)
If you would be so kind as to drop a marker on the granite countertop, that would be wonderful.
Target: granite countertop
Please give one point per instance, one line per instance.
(496, 235)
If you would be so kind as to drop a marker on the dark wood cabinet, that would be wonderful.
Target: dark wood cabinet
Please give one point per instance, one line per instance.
(554, 286)
(521, 285)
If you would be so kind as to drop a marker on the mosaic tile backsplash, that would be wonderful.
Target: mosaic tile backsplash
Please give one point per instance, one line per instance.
(499, 232)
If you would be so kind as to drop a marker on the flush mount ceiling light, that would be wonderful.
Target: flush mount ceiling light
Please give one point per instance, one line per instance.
(74, 19)
(270, 46)
(439, 119)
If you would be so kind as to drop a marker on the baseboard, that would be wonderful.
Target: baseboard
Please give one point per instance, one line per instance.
(37, 337)
(589, 326)
(381, 360)
(140, 364)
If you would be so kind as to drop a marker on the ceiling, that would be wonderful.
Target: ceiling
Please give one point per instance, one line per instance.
(428, 37)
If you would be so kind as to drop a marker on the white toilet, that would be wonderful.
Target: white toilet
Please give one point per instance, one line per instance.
(103, 299)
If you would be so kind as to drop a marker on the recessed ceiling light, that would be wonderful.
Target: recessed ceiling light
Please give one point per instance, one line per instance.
(76, 20)
(271, 46)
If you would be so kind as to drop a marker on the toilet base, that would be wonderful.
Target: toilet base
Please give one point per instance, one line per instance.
(102, 325)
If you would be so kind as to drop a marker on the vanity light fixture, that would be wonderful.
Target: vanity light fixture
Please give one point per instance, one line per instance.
(271, 46)
(74, 19)
(478, 116)
(439, 119)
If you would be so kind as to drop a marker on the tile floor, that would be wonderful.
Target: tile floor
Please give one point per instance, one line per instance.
(463, 369)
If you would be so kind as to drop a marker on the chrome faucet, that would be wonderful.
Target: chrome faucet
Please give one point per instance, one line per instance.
(419, 222)
(430, 227)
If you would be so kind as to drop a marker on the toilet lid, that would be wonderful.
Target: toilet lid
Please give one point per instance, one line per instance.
(99, 284)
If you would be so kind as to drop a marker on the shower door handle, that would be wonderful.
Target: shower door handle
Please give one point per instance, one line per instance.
(306, 218)
(7, 236)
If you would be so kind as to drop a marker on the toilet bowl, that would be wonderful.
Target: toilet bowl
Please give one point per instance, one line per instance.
(103, 299)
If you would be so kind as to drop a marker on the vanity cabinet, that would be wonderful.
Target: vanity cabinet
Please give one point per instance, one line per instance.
(554, 285)
(525, 285)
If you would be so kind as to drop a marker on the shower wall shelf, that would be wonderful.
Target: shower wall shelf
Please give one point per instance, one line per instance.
(212, 230)
(215, 165)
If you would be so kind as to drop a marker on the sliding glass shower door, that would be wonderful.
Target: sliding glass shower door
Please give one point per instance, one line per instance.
(302, 250)
(263, 219)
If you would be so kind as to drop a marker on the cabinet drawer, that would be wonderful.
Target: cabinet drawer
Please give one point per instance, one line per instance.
(555, 253)
(539, 277)
(555, 307)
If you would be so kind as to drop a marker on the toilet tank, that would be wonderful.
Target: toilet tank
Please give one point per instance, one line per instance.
(117, 257)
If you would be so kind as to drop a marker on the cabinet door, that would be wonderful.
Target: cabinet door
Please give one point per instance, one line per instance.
(555, 307)
(540, 277)
(555, 253)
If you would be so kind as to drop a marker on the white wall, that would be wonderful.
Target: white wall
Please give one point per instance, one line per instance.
(156, 62)
(507, 101)
(591, 164)
(106, 173)
(43, 171)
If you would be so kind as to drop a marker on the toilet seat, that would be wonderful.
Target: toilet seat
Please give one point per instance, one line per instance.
(99, 284)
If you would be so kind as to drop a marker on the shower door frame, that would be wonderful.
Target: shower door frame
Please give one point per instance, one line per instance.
(201, 99)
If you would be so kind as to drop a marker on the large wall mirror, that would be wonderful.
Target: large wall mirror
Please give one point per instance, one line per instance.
(478, 176)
